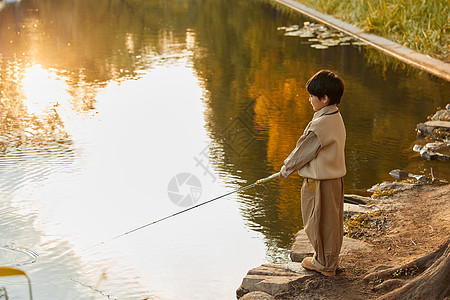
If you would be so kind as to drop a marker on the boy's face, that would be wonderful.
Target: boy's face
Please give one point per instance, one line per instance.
(317, 104)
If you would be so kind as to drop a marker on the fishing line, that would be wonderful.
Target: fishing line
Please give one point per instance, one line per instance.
(260, 181)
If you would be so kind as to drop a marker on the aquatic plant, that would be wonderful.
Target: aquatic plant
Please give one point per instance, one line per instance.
(320, 36)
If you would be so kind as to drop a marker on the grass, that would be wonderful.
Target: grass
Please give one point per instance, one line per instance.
(383, 192)
(421, 25)
(361, 226)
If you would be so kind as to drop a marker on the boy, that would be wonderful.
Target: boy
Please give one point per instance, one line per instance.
(319, 158)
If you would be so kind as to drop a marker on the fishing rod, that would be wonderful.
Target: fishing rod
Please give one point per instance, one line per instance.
(258, 182)
(8, 271)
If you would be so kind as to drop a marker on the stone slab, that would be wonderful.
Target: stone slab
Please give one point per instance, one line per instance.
(428, 128)
(350, 209)
(272, 279)
(257, 296)
(356, 199)
(302, 247)
(438, 124)
(390, 185)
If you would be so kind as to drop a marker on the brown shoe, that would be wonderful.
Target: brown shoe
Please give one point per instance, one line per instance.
(307, 264)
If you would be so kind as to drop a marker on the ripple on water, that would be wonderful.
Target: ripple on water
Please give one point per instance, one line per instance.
(12, 256)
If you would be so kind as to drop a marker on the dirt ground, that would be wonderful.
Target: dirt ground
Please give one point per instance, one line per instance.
(411, 224)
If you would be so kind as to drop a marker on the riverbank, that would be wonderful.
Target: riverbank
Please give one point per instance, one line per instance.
(397, 226)
(436, 66)
(414, 222)
(418, 25)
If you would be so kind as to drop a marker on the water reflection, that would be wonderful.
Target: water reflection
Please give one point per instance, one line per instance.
(103, 102)
(257, 96)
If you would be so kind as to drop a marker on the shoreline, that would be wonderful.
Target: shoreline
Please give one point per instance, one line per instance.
(431, 65)
(401, 223)
(421, 209)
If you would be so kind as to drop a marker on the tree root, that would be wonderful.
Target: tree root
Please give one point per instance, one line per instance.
(389, 285)
(432, 283)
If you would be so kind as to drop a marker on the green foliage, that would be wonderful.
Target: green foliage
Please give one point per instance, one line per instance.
(418, 24)
(376, 280)
(360, 225)
(383, 192)
(407, 271)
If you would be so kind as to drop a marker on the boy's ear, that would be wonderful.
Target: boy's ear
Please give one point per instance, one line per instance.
(325, 100)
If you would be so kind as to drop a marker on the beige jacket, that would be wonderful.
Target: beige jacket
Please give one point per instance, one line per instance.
(329, 163)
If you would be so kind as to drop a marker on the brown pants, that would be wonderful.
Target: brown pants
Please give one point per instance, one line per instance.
(322, 213)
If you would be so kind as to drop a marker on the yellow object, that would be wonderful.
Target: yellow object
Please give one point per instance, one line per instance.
(8, 271)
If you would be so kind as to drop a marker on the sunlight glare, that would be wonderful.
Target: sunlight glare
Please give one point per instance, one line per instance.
(43, 90)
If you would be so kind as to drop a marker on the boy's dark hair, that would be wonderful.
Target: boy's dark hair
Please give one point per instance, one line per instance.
(327, 83)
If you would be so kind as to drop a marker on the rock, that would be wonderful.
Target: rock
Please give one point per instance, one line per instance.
(257, 296)
(421, 178)
(356, 199)
(349, 245)
(296, 267)
(442, 115)
(402, 175)
(434, 129)
(391, 186)
(430, 151)
(302, 247)
(435, 145)
(271, 279)
(429, 154)
(417, 148)
(350, 209)
(399, 174)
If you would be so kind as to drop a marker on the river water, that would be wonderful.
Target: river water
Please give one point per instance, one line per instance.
(117, 113)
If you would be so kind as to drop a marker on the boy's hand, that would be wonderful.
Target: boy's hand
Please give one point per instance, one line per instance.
(280, 175)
